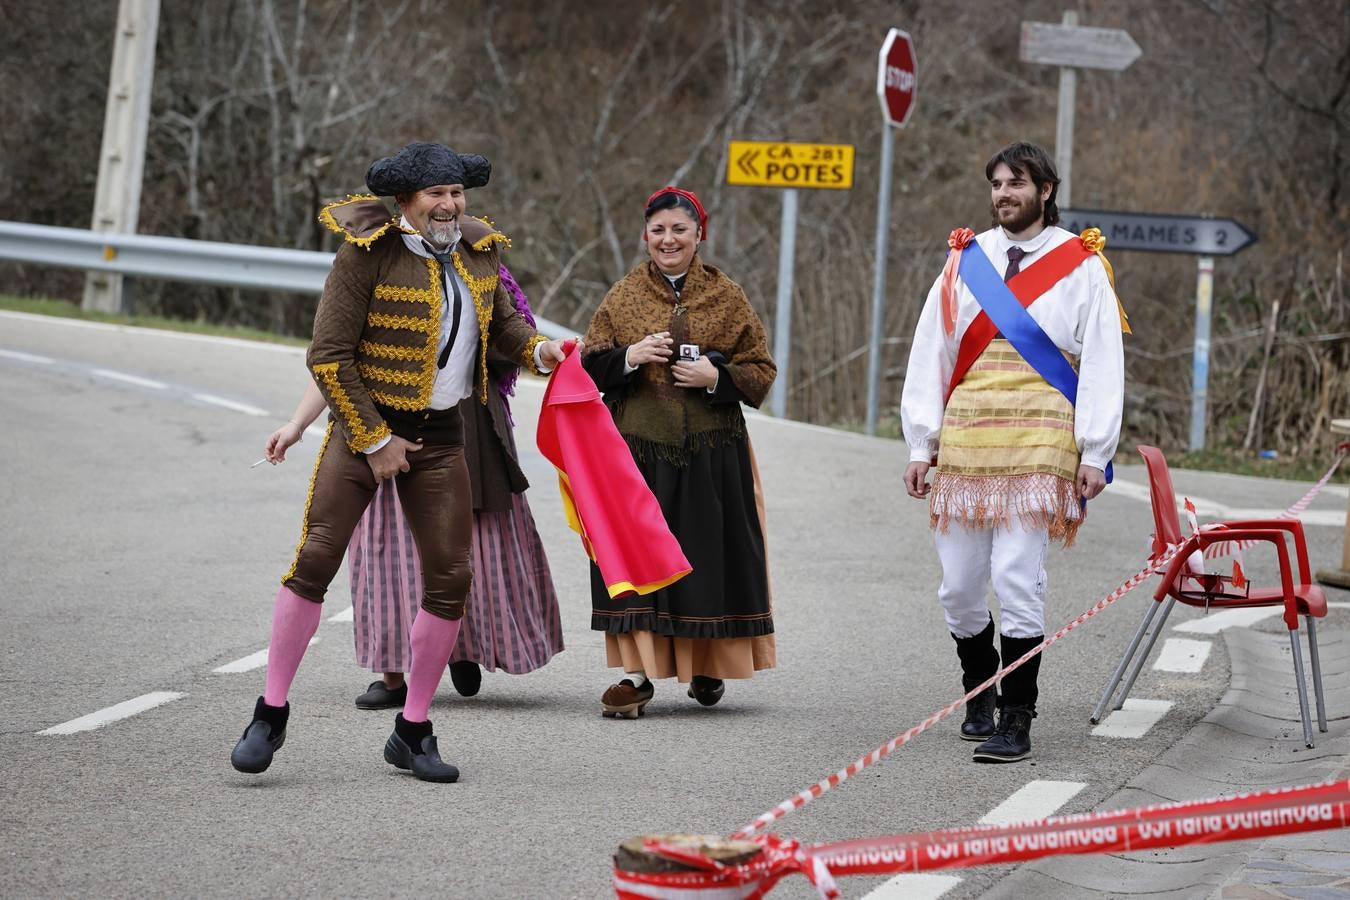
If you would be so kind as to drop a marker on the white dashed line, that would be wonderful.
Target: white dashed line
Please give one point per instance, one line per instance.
(130, 379)
(345, 616)
(250, 662)
(1228, 618)
(1182, 655)
(1033, 801)
(123, 710)
(914, 887)
(1213, 509)
(230, 404)
(26, 357)
(1134, 719)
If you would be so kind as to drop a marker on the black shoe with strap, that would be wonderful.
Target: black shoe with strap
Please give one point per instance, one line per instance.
(412, 747)
(979, 723)
(707, 691)
(1012, 740)
(262, 738)
(466, 677)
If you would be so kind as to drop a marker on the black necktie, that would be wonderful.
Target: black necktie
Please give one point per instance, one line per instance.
(447, 262)
(1015, 255)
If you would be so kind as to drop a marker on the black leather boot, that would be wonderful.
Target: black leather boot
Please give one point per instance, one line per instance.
(412, 747)
(262, 738)
(1012, 740)
(979, 662)
(1019, 685)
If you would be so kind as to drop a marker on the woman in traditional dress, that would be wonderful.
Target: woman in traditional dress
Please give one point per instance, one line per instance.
(676, 349)
(512, 620)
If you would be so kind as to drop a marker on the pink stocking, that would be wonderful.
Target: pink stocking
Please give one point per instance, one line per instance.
(294, 621)
(432, 640)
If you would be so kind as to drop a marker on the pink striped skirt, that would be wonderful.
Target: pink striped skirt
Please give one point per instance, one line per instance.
(511, 621)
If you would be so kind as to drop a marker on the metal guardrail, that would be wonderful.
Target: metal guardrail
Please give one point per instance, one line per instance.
(179, 259)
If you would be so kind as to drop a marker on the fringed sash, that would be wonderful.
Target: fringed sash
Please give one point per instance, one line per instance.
(1007, 451)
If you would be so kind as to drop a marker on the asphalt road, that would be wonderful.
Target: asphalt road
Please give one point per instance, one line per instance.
(139, 552)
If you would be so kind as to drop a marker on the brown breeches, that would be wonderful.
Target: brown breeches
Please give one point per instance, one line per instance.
(436, 500)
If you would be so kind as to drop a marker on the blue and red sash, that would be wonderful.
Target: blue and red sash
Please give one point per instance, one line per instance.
(1004, 308)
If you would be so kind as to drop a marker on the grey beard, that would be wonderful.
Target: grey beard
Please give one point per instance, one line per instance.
(442, 234)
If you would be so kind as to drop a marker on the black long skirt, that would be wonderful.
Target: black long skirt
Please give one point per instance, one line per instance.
(709, 506)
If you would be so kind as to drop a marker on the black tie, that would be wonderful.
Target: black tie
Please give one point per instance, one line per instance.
(1015, 255)
(447, 262)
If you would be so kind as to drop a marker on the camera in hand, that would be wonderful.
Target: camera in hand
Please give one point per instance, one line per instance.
(689, 352)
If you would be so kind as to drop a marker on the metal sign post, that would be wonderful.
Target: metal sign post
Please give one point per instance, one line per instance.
(782, 319)
(897, 84)
(1072, 47)
(1204, 297)
(788, 166)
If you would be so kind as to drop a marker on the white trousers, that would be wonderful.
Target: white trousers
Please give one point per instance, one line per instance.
(1013, 558)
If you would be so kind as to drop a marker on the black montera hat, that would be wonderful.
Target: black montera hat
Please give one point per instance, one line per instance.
(420, 165)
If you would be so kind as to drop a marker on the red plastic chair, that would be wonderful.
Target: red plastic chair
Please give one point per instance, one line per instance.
(1180, 582)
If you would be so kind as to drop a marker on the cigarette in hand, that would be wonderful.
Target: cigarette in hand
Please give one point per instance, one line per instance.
(258, 463)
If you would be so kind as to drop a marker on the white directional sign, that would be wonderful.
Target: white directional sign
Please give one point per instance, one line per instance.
(1161, 233)
(1075, 45)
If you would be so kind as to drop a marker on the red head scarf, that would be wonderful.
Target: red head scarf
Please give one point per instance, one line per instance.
(692, 198)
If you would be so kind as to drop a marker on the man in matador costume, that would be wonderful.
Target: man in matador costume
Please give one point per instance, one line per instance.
(401, 335)
(1014, 389)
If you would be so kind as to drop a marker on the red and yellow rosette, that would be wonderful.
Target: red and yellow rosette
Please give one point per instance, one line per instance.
(1095, 242)
(958, 240)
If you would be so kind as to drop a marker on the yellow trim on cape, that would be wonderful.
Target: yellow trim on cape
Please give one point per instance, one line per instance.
(481, 290)
(328, 221)
(1095, 242)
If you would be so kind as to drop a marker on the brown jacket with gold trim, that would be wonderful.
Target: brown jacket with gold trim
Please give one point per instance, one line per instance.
(377, 328)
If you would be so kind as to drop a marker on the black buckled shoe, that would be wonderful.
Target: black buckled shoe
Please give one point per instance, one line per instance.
(466, 677)
(1012, 740)
(380, 696)
(705, 690)
(262, 738)
(412, 747)
(979, 723)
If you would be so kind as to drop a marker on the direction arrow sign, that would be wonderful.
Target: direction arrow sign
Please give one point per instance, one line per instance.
(1161, 233)
(1075, 45)
(781, 164)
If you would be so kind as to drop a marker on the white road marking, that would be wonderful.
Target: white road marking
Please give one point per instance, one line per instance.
(914, 887)
(1033, 801)
(345, 616)
(130, 379)
(1228, 618)
(316, 430)
(250, 662)
(26, 357)
(1134, 719)
(1213, 509)
(1334, 605)
(1182, 655)
(230, 404)
(124, 710)
(155, 332)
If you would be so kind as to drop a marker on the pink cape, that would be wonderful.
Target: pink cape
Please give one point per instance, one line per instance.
(606, 499)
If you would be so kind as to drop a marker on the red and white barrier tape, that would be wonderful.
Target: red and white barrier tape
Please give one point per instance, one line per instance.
(1240, 817)
(827, 784)
(1225, 548)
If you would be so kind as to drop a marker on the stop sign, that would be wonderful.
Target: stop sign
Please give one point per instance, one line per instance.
(897, 77)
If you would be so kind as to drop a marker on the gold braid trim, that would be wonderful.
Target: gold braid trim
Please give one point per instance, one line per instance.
(309, 501)
(397, 401)
(407, 323)
(407, 294)
(393, 351)
(495, 237)
(327, 220)
(527, 356)
(389, 376)
(361, 437)
(481, 289)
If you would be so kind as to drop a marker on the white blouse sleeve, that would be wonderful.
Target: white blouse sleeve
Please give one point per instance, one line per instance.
(1101, 372)
(932, 358)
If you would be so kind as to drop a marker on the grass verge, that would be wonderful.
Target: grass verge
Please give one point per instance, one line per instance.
(46, 306)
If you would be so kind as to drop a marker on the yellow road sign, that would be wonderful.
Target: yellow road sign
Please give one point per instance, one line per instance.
(781, 164)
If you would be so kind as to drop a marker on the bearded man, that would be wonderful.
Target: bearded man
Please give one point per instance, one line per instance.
(1014, 390)
(401, 335)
